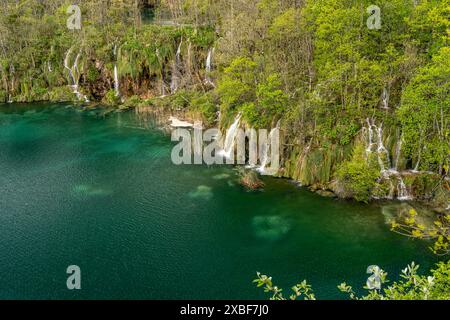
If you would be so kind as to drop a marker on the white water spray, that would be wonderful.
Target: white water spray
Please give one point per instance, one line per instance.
(230, 138)
(116, 74)
(208, 68)
(175, 82)
(402, 191)
(73, 74)
(385, 98)
(266, 151)
(375, 144)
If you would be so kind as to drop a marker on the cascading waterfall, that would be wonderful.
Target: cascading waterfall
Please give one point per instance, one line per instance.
(370, 137)
(116, 74)
(208, 68)
(266, 151)
(398, 151)
(382, 153)
(385, 98)
(375, 144)
(69, 69)
(402, 191)
(175, 82)
(163, 89)
(265, 157)
(116, 81)
(209, 60)
(72, 70)
(230, 138)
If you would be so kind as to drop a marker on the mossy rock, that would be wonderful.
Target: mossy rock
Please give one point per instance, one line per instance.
(251, 181)
(63, 93)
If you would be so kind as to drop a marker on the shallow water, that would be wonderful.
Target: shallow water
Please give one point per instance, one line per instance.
(100, 192)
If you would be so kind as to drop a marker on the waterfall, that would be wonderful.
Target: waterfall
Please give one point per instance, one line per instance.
(10, 99)
(391, 190)
(402, 191)
(370, 143)
(175, 82)
(116, 81)
(208, 67)
(69, 69)
(416, 167)
(163, 89)
(397, 153)
(375, 144)
(209, 60)
(116, 74)
(265, 151)
(72, 70)
(230, 138)
(385, 98)
(265, 157)
(382, 153)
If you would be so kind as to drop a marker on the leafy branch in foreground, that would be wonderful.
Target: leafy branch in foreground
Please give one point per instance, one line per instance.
(300, 289)
(409, 225)
(411, 285)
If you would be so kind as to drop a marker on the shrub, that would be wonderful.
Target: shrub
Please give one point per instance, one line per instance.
(358, 176)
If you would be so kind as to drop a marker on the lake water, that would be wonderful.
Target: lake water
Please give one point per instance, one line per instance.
(99, 191)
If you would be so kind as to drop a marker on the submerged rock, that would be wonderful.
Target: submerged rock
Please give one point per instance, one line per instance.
(270, 227)
(202, 192)
(221, 176)
(251, 181)
(326, 193)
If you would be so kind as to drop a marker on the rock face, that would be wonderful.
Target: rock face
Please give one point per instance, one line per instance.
(102, 82)
(176, 123)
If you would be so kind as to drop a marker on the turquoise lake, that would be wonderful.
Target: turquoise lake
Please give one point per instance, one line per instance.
(81, 187)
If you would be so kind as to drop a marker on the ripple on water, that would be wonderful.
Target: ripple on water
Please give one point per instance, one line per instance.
(85, 190)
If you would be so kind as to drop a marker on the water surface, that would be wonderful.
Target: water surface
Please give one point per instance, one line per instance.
(100, 191)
